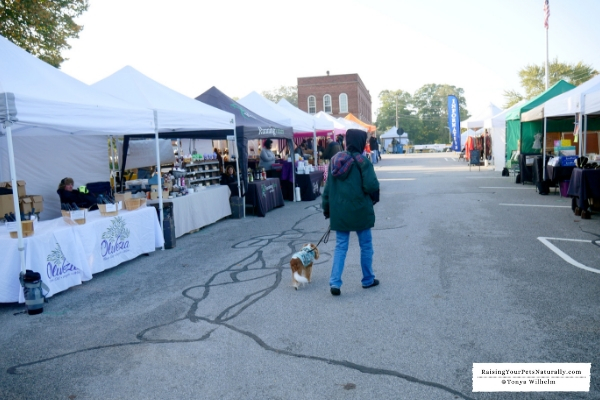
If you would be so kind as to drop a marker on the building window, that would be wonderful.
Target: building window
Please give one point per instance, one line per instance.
(327, 103)
(343, 103)
(312, 105)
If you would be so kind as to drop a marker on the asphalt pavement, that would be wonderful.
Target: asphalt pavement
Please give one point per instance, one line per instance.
(466, 277)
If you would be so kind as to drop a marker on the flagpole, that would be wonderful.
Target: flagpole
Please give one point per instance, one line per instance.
(546, 25)
(547, 75)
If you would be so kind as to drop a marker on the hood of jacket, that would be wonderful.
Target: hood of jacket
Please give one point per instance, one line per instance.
(340, 165)
(356, 140)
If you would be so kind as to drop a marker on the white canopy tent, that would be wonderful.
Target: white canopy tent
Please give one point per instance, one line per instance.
(476, 121)
(568, 104)
(592, 103)
(173, 112)
(496, 126)
(322, 126)
(37, 99)
(338, 127)
(389, 136)
(268, 109)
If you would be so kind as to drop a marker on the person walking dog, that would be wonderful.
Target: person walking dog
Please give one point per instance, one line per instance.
(351, 191)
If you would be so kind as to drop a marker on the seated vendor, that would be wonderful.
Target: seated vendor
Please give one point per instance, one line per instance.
(70, 196)
(229, 176)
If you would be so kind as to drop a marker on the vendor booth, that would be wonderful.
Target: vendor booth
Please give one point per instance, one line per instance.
(249, 126)
(176, 116)
(477, 121)
(39, 103)
(526, 137)
(496, 126)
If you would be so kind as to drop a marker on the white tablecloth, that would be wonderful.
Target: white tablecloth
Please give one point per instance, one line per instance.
(65, 255)
(199, 209)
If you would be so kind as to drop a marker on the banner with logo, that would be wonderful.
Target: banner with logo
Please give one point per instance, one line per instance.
(120, 238)
(58, 259)
(454, 122)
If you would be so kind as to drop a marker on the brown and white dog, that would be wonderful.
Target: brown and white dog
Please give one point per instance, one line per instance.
(301, 264)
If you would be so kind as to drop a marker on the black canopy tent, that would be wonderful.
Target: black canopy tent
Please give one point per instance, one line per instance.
(217, 134)
(249, 126)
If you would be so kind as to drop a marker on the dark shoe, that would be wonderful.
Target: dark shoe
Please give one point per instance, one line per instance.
(375, 283)
(577, 211)
(335, 291)
(585, 215)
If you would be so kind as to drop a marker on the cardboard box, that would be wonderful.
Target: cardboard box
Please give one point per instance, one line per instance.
(74, 216)
(108, 210)
(122, 196)
(6, 204)
(26, 229)
(20, 187)
(31, 202)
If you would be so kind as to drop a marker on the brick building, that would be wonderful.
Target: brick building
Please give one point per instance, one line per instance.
(337, 95)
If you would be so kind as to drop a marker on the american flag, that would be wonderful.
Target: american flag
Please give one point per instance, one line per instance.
(546, 13)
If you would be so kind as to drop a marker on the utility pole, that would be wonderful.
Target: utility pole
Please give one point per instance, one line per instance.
(397, 127)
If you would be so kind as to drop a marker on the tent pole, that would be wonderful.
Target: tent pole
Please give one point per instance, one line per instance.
(13, 179)
(580, 133)
(112, 159)
(237, 167)
(160, 196)
(315, 147)
(544, 150)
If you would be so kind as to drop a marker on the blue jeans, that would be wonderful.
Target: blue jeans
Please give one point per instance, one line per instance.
(339, 257)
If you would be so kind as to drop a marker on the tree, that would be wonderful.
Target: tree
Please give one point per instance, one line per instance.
(386, 114)
(290, 93)
(533, 78)
(431, 105)
(41, 27)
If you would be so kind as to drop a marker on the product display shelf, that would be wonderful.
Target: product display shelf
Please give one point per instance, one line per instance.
(203, 172)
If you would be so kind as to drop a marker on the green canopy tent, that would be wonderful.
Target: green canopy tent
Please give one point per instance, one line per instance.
(523, 133)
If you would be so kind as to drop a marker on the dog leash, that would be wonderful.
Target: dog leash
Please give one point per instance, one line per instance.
(325, 237)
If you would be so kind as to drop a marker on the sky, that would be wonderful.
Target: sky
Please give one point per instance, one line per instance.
(243, 46)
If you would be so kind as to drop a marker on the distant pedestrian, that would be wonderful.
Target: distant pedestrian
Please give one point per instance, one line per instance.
(351, 191)
(394, 145)
(374, 145)
(340, 140)
(332, 149)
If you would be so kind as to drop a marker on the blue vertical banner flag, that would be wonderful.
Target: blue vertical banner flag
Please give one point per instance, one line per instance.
(454, 122)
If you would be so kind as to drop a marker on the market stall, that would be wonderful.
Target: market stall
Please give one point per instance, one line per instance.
(176, 116)
(264, 196)
(66, 254)
(521, 136)
(199, 208)
(249, 126)
(39, 101)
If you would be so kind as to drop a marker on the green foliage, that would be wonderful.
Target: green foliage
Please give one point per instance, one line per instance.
(41, 27)
(424, 115)
(290, 93)
(533, 78)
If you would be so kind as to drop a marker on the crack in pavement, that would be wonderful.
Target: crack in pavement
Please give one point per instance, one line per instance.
(253, 263)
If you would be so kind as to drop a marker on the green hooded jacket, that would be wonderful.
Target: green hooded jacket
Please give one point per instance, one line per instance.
(346, 196)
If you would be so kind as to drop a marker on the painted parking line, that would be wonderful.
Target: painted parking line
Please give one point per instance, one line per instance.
(506, 187)
(531, 205)
(564, 256)
(396, 179)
